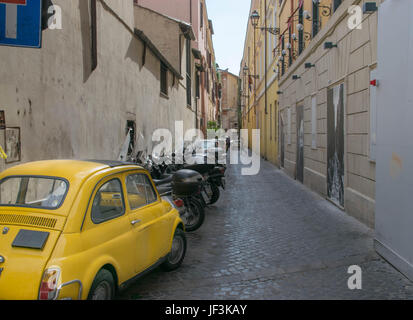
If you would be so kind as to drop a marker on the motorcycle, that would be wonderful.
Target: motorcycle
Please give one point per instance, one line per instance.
(214, 177)
(181, 189)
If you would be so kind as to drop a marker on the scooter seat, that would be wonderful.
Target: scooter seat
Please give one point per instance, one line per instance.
(160, 182)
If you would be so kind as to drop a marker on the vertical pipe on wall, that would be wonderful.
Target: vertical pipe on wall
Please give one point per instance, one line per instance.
(265, 78)
(94, 34)
(190, 11)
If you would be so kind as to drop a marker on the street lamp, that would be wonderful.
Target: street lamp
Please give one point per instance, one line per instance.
(246, 69)
(255, 17)
(246, 72)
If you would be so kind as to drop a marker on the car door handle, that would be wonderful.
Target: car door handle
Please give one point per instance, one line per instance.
(135, 222)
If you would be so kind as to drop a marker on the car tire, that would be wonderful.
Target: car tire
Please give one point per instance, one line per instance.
(215, 194)
(103, 287)
(198, 213)
(178, 251)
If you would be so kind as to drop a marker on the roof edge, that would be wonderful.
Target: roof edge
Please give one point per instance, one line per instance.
(142, 36)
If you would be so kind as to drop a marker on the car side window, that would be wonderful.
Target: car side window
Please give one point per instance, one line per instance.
(108, 202)
(140, 191)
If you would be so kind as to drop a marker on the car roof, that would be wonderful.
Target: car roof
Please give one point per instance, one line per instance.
(112, 163)
(67, 169)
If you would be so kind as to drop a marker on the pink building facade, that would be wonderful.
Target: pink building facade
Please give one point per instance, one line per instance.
(195, 13)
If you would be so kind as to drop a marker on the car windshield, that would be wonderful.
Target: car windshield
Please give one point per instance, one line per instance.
(37, 192)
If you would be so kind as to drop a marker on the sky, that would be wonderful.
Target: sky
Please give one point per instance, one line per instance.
(230, 19)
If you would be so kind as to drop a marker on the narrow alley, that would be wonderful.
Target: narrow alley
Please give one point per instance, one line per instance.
(269, 237)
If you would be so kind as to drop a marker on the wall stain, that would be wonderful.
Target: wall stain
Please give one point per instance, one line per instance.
(396, 166)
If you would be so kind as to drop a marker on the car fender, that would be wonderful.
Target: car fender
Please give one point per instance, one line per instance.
(177, 223)
(94, 268)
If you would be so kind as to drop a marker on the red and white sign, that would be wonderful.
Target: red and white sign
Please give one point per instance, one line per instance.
(18, 2)
(11, 16)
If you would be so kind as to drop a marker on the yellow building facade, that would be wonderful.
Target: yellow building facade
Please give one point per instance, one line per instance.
(327, 104)
(259, 78)
(299, 21)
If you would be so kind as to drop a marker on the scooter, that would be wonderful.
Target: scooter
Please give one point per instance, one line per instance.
(182, 190)
(214, 176)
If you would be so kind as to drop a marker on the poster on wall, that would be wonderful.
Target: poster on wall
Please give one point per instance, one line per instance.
(335, 144)
(282, 141)
(300, 144)
(12, 144)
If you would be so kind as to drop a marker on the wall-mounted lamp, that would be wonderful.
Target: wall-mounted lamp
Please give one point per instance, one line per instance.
(307, 35)
(325, 10)
(329, 45)
(255, 17)
(296, 77)
(245, 69)
(282, 63)
(369, 7)
(309, 65)
(306, 15)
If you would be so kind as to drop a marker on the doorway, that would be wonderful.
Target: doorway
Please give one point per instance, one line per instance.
(131, 129)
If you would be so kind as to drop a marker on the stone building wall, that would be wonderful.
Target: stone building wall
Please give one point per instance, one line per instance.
(349, 64)
(66, 110)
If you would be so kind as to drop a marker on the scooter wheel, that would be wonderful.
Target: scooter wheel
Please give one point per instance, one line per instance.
(215, 194)
(195, 216)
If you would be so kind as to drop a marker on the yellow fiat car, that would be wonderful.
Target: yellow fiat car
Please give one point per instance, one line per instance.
(82, 229)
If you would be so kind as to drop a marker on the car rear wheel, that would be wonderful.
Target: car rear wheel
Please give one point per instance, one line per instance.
(177, 254)
(103, 287)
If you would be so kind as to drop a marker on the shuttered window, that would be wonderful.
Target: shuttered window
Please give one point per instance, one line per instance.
(188, 73)
(164, 79)
(197, 84)
(337, 4)
(301, 32)
(316, 18)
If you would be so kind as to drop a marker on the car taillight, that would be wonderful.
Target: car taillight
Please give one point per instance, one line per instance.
(48, 286)
(179, 203)
(222, 170)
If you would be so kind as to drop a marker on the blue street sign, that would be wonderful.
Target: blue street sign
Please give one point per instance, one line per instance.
(21, 23)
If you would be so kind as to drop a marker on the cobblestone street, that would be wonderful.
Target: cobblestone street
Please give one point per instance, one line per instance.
(270, 238)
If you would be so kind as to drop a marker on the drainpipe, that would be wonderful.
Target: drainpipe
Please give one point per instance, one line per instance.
(190, 11)
(197, 98)
(265, 80)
